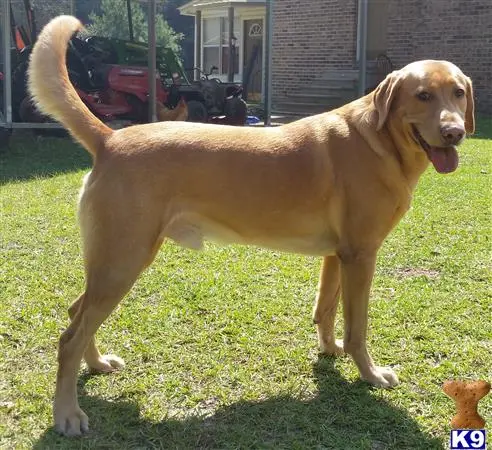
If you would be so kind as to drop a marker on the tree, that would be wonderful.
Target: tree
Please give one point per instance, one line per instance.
(184, 25)
(113, 22)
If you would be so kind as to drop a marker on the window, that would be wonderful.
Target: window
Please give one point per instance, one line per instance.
(211, 41)
(216, 44)
(225, 45)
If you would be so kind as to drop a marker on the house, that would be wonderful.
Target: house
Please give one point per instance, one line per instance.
(316, 44)
(213, 26)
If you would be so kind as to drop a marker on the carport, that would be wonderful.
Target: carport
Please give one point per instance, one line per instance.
(7, 123)
(6, 120)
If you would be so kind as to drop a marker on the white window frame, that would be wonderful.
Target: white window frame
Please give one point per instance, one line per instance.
(241, 15)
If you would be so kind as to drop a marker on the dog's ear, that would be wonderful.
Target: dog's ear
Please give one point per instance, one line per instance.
(384, 95)
(470, 108)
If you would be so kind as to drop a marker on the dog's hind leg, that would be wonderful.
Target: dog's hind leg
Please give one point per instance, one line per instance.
(325, 308)
(96, 362)
(111, 269)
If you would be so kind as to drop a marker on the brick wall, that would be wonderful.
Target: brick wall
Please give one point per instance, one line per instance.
(313, 36)
(309, 37)
(459, 31)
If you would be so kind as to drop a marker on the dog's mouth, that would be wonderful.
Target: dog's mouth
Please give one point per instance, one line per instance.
(444, 159)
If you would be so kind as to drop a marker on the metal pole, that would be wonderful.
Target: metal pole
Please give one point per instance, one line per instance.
(362, 46)
(198, 44)
(230, 69)
(268, 63)
(130, 19)
(152, 62)
(7, 69)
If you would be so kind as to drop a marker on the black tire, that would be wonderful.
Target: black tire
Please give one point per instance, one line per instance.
(140, 110)
(236, 110)
(4, 137)
(28, 112)
(196, 111)
(4, 132)
(19, 89)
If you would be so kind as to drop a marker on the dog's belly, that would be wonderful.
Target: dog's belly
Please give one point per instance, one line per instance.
(191, 232)
(307, 245)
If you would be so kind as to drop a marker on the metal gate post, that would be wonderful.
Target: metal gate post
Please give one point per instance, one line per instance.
(7, 67)
(268, 63)
(152, 62)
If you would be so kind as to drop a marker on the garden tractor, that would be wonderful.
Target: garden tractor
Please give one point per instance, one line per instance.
(109, 75)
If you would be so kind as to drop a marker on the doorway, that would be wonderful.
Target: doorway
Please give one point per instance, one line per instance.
(253, 60)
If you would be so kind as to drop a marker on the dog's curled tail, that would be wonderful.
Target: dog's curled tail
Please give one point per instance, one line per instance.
(52, 91)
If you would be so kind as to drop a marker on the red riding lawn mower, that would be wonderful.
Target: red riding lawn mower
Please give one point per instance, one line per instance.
(111, 78)
(114, 93)
(122, 93)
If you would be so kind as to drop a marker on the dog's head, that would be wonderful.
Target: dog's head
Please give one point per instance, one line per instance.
(431, 104)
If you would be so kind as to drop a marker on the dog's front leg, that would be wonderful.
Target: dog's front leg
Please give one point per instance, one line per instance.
(325, 308)
(357, 273)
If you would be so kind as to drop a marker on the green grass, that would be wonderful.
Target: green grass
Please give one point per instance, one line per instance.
(220, 349)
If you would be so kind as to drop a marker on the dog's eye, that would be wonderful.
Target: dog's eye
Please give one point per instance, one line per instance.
(424, 96)
(459, 93)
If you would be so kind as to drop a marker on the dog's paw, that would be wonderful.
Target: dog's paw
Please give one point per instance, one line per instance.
(71, 422)
(383, 377)
(332, 348)
(106, 364)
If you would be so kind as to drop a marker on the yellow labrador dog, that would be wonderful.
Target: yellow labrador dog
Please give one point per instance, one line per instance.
(332, 185)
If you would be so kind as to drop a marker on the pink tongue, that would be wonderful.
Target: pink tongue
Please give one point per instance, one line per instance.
(445, 160)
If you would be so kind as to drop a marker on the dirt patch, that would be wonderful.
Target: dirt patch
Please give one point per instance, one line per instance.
(413, 272)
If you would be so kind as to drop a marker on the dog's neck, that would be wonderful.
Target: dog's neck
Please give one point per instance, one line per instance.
(413, 160)
(401, 156)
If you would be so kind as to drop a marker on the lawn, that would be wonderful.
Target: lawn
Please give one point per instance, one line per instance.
(220, 348)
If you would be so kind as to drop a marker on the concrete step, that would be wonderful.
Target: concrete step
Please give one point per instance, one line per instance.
(295, 103)
(301, 109)
(321, 98)
(313, 94)
(302, 106)
(287, 117)
(279, 111)
(292, 116)
(339, 75)
(330, 90)
(330, 86)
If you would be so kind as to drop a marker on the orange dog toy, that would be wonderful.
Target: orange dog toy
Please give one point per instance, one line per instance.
(466, 396)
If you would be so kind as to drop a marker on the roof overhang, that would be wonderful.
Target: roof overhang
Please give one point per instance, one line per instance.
(190, 8)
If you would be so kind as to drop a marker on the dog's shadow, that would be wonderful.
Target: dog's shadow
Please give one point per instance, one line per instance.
(280, 422)
(31, 157)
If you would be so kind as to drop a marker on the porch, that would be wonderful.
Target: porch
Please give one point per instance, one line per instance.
(326, 54)
(229, 42)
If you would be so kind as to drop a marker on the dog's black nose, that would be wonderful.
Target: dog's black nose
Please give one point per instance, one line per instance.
(452, 133)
